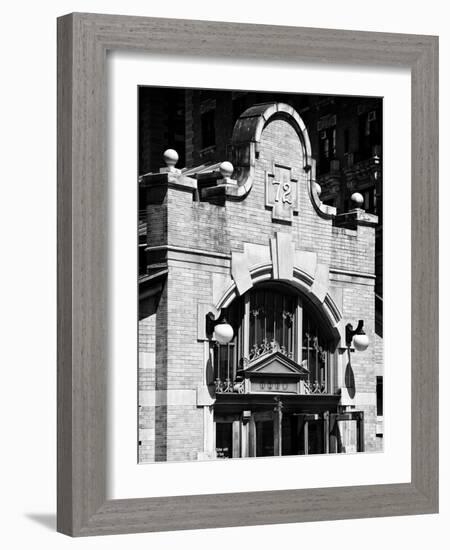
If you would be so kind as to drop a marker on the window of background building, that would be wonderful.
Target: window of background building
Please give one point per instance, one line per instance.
(239, 106)
(208, 129)
(327, 148)
(347, 140)
(369, 204)
(369, 133)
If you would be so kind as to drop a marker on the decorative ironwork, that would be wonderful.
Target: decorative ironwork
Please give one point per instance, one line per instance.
(229, 386)
(288, 316)
(257, 311)
(218, 385)
(315, 344)
(314, 387)
(264, 348)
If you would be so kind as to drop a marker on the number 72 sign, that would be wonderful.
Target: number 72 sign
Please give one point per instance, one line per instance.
(284, 192)
(281, 193)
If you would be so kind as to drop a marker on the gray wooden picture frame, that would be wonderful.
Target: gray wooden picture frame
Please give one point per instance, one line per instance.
(83, 41)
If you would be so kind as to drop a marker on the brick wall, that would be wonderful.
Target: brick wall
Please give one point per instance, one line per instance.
(147, 377)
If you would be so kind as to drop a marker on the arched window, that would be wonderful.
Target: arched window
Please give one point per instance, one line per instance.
(275, 317)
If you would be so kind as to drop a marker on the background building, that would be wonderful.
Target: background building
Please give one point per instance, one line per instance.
(289, 263)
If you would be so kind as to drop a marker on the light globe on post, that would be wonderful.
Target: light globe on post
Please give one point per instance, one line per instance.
(226, 169)
(170, 157)
(357, 199)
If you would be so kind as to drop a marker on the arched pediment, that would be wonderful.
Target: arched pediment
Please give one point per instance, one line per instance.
(246, 142)
(250, 125)
(246, 138)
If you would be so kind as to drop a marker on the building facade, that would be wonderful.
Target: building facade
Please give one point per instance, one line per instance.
(251, 287)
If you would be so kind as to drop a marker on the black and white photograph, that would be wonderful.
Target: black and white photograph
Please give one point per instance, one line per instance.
(260, 251)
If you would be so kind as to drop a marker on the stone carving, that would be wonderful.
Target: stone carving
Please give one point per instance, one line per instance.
(281, 193)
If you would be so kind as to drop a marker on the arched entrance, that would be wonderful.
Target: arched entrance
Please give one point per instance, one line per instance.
(275, 382)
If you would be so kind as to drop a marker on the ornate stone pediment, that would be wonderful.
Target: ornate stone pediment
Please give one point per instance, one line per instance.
(274, 372)
(274, 364)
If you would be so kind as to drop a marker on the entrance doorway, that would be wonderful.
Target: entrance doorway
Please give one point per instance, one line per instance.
(312, 434)
(265, 444)
(270, 433)
(224, 440)
(300, 434)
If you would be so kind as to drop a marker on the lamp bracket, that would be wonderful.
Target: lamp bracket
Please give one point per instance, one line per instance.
(212, 320)
(350, 332)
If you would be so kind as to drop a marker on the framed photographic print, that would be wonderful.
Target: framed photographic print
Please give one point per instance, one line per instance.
(247, 274)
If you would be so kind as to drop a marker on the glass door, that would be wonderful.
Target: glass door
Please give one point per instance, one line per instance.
(224, 440)
(264, 438)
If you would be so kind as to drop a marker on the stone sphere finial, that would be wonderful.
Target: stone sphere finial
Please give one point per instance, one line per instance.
(226, 169)
(170, 157)
(318, 189)
(358, 199)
